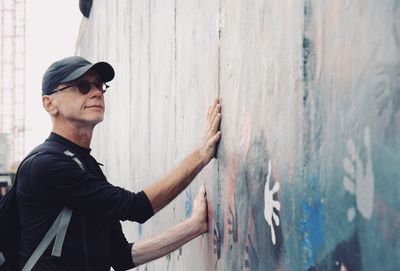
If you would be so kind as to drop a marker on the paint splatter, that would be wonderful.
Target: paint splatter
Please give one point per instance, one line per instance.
(188, 203)
(359, 180)
(270, 204)
(311, 225)
(230, 213)
(217, 242)
(251, 257)
(233, 224)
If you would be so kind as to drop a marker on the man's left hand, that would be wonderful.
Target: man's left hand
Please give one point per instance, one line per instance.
(212, 134)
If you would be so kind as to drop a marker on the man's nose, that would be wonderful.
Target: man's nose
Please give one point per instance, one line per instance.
(96, 92)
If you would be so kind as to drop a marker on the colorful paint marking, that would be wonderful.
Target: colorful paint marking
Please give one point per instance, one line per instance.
(359, 180)
(311, 225)
(270, 204)
(188, 203)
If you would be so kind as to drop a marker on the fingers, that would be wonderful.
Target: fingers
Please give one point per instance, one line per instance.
(215, 112)
(202, 191)
(214, 117)
(215, 124)
(201, 196)
(216, 138)
(211, 134)
(211, 109)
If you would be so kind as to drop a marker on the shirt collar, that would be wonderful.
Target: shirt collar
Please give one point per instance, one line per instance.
(56, 137)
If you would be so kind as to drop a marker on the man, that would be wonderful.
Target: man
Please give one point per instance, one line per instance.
(73, 94)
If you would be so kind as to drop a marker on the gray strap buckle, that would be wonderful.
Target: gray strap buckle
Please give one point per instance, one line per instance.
(70, 154)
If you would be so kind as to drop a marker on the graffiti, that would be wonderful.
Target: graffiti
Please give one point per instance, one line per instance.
(311, 225)
(251, 257)
(231, 218)
(270, 204)
(233, 224)
(359, 180)
(214, 241)
(246, 236)
(217, 242)
(188, 203)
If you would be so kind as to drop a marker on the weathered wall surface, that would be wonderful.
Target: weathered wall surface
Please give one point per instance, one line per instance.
(308, 169)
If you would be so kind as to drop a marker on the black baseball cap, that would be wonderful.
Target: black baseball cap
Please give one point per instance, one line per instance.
(71, 68)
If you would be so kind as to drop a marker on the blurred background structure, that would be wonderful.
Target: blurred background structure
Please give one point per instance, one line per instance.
(12, 83)
(32, 36)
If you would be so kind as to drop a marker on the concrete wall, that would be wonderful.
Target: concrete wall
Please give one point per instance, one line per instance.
(307, 175)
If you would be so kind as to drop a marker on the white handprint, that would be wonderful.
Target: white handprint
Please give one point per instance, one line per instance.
(271, 204)
(361, 181)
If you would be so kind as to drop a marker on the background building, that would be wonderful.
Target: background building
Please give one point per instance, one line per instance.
(12, 82)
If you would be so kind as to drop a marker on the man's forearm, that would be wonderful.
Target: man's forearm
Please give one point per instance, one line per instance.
(147, 250)
(165, 190)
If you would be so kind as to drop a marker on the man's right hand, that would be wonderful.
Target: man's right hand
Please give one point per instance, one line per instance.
(212, 134)
(163, 244)
(199, 212)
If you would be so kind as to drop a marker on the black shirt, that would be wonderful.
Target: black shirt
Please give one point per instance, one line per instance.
(94, 240)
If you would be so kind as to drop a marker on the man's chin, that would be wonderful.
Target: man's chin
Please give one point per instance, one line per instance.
(95, 121)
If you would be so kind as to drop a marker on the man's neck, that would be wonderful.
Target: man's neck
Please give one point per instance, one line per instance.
(80, 136)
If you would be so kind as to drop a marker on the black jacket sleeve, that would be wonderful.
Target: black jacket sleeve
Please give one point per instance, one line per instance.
(121, 250)
(59, 179)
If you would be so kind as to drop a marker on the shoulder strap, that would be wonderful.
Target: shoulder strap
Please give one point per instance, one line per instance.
(60, 226)
(61, 221)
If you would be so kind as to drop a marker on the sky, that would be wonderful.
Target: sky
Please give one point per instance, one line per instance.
(52, 28)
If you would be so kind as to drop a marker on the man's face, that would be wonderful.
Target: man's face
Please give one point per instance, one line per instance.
(77, 108)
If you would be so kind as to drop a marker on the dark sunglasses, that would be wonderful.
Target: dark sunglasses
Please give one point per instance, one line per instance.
(85, 86)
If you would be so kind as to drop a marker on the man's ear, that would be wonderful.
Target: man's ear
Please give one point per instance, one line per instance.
(48, 105)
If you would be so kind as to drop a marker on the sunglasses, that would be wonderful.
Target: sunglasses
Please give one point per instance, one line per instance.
(85, 86)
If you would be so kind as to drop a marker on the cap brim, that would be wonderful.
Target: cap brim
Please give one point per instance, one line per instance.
(103, 69)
